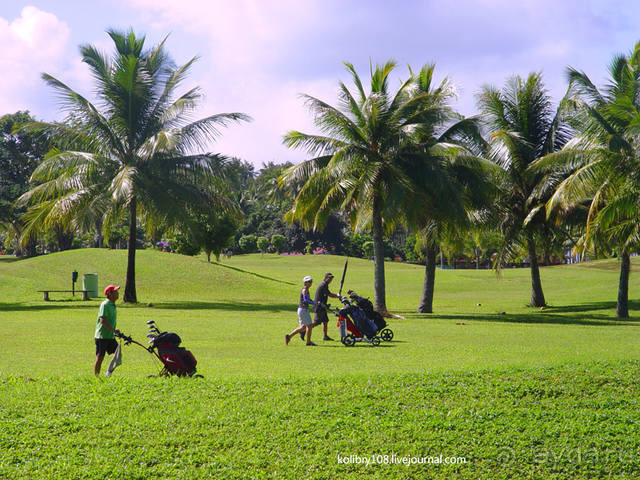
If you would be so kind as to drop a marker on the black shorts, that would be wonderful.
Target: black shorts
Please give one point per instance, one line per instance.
(105, 345)
(320, 317)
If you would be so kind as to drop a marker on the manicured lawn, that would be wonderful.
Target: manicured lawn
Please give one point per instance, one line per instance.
(527, 393)
(575, 421)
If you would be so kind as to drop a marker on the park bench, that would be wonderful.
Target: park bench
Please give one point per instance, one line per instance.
(45, 293)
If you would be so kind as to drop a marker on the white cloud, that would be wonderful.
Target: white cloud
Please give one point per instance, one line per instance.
(257, 56)
(35, 42)
(243, 45)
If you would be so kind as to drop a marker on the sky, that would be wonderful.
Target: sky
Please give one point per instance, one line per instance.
(258, 56)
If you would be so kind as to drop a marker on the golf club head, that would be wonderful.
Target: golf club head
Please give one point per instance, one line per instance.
(151, 335)
(151, 340)
(154, 329)
(150, 322)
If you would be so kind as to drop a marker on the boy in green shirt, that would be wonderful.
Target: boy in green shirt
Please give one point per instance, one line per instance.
(106, 327)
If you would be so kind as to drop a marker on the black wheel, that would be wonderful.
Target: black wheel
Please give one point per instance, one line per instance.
(375, 341)
(197, 375)
(349, 340)
(386, 334)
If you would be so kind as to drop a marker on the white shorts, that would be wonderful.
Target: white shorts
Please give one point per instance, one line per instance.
(304, 317)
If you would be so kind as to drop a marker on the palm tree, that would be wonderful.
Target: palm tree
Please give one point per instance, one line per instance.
(131, 154)
(452, 179)
(370, 162)
(355, 165)
(603, 162)
(523, 128)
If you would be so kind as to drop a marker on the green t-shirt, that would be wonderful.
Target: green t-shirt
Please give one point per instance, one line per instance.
(107, 310)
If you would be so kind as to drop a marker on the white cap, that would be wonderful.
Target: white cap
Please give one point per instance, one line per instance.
(307, 279)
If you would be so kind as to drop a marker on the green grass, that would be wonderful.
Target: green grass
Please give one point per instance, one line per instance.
(527, 393)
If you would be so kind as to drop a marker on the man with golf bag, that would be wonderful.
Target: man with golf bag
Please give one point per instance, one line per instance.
(320, 309)
(106, 327)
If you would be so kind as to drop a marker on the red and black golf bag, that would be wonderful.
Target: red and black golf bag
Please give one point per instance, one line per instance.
(177, 360)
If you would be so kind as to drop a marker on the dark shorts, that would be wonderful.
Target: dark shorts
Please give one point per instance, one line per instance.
(320, 317)
(105, 345)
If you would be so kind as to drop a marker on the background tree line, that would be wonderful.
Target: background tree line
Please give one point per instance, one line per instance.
(393, 173)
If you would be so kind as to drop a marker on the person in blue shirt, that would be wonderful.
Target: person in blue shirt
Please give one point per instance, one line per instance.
(304, 318)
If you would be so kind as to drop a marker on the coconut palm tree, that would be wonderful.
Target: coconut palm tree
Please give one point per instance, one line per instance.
(602, 163)
(523, 127)
(132, 154)
(453, 182)
(370, 161)
(355, 165)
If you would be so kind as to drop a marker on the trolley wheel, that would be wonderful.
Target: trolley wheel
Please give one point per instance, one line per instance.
(386, 334)
(349, 340)
(375, 341)
(197, 375)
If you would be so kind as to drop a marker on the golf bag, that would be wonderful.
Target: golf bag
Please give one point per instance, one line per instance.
(366, 305)
(360, 320)
(177, 360)
(165, 346)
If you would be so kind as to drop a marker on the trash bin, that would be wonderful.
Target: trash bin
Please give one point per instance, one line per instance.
(90, 283)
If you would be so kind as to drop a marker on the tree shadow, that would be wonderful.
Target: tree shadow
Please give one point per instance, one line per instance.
(239, 306)
(51, 305)
(586, 307)
(545, 318)
(9, 259)
(264, 277)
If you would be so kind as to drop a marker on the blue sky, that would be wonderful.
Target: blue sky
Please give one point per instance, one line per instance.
(257, 56)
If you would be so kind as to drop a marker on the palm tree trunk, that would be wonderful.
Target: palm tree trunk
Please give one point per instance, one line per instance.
(130, 287)
(380, 303)
(537, 296)
(98, 238)
(622, 307)
(426, 304)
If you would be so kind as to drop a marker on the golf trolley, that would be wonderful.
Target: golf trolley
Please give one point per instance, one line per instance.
(165, 347)
(385, 333)
(358, 323)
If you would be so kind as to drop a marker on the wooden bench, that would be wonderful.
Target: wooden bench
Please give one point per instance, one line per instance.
(45, 293)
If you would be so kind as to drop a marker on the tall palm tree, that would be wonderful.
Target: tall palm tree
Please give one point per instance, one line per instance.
(603, 162)
(523, 127)
(355, 165)
(452, 179)
(135, 152)
(370, 162)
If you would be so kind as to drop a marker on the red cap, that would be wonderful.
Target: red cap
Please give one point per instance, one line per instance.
(110, 289)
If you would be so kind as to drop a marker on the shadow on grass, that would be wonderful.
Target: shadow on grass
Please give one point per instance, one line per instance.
(337, 344)
(544, 318)
(586, 307)
(264, 277)
(9, 259)
(237, 306)
(51, 305)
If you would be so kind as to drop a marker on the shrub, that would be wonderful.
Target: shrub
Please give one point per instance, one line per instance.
(248, 243)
